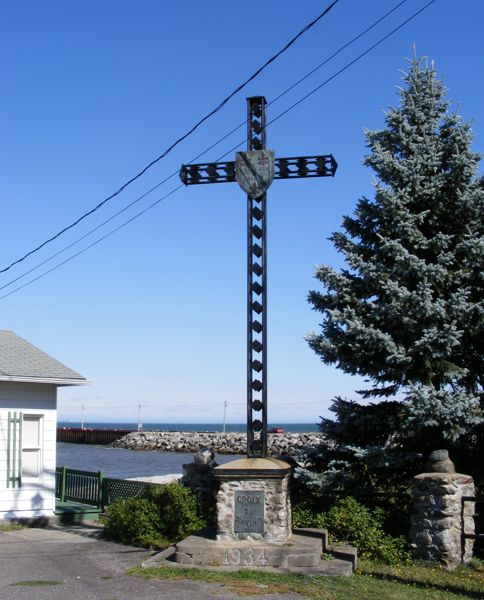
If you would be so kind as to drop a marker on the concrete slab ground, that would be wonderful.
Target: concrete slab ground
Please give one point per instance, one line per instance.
(90, 569)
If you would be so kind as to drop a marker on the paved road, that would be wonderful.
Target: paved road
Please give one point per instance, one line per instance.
(90, 569)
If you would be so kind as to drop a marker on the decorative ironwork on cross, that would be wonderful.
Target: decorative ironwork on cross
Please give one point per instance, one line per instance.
(254, 171)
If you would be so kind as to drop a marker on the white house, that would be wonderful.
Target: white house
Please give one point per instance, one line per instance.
(29, 379)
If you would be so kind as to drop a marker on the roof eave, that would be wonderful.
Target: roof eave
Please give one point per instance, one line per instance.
(50, 380)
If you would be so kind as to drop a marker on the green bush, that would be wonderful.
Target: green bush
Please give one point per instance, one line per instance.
(350, 521)
(305, 517)
(179, 510)
(163, 516)
(135, 521)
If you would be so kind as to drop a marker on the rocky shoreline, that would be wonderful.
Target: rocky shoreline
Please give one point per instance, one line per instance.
(279, 444)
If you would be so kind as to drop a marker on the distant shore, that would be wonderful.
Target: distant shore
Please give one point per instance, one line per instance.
(199, 427)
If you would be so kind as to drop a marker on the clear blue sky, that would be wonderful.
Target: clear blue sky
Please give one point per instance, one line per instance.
(93, 91)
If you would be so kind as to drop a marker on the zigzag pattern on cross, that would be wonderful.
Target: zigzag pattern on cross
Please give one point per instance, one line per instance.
(285, 168)
(264, 169)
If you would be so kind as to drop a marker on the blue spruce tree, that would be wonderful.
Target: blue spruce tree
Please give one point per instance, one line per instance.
(407, 312)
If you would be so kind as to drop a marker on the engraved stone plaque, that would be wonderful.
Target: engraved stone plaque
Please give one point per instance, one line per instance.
(249, 511)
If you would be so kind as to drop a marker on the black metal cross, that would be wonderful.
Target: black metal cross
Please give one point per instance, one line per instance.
(224, 172)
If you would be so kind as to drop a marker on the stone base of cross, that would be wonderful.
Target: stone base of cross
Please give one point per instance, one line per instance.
(254, 526)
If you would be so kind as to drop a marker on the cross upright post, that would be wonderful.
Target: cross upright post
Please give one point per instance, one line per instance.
(254, 170)
(256, 293)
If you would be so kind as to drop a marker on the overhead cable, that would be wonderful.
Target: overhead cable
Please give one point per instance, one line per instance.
(178, 141)
(279, 116)
(351, 63)
(213, 145)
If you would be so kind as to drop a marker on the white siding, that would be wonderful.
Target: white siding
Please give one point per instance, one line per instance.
(35, 497)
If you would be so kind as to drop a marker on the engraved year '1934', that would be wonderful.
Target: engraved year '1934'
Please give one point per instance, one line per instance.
(246, 557)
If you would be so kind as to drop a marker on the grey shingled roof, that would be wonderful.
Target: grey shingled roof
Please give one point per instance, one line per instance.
(20, 360)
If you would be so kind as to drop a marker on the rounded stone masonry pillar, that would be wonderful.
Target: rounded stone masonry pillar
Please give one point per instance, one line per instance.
(253, 500)
(439, 516)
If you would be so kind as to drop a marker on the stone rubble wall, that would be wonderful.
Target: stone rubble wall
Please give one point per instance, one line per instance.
(288, 444)
(437, 518)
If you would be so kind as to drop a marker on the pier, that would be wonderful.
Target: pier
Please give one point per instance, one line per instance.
(78, 435)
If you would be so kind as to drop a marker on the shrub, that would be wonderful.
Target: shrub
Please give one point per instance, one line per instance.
(135, 521)
(305, 517)
(179, 510)
(350, 521)
(164, 515)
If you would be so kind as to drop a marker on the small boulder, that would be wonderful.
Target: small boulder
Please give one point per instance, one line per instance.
(439, 462)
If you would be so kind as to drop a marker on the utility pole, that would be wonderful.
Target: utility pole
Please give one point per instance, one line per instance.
(225, 414)
(140, 426)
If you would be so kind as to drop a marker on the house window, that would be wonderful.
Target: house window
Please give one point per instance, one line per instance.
(31, 446)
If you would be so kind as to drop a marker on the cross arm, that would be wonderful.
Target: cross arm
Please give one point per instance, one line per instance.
(285, 168)
(220, 172)
(306, 166)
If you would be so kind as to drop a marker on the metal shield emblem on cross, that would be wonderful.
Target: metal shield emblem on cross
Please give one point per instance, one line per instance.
(254, 171)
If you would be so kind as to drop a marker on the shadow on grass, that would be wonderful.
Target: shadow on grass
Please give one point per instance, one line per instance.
(452, 588)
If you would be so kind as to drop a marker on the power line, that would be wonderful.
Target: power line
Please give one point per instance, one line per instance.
(116, 214)
(134, 406)
(243, 123)
(95, 243)
(351, 63)
(155, 203)
(329, 79)
(326, 60)
(179, 140)
(69, 246)
(216, 406)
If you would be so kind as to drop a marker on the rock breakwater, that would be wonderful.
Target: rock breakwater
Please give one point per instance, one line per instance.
(289, 444)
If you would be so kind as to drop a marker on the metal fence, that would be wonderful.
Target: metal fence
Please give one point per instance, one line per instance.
(478, 536)
(93, 488)
(121, 489)
(78, 486)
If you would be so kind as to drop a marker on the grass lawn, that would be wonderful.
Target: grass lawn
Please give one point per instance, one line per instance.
(10, 526)
(372, 581)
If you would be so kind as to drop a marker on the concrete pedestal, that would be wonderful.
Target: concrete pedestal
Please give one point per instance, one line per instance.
(254, 526)
(253, 501)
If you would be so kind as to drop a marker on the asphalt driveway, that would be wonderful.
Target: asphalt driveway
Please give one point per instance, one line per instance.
(87, 568)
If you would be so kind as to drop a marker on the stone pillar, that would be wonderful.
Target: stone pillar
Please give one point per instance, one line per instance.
(438, 515)
(198, 475)
(253, 500)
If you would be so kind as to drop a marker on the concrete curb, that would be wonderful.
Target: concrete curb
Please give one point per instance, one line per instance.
(345, 552)
(334, 567)
(342, 561)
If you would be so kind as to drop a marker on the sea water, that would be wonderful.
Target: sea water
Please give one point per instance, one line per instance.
(124, 464)
(121, 463)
